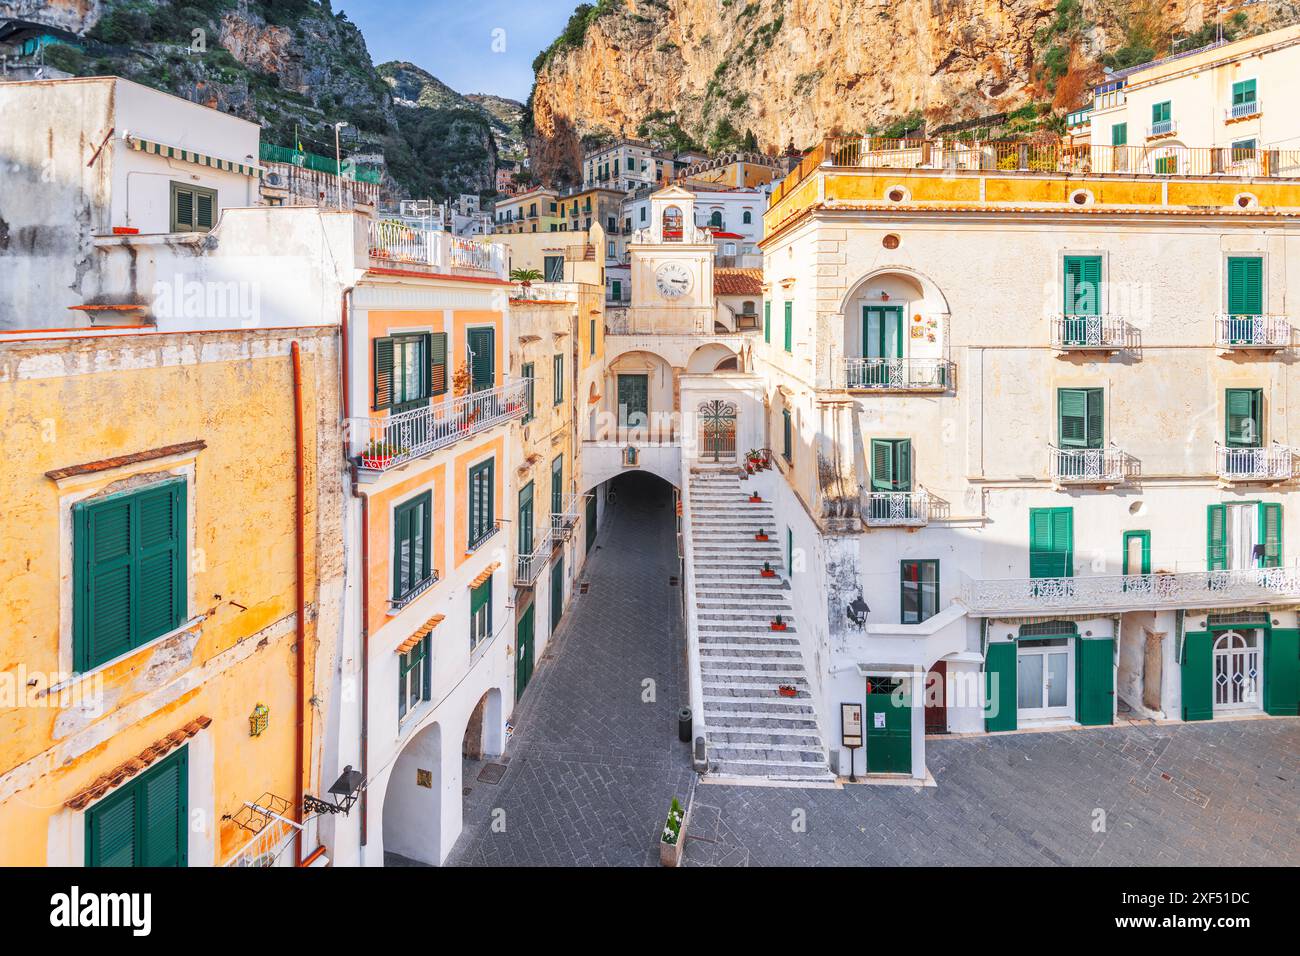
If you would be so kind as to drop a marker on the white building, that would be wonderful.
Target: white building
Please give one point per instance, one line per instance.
(623, 165)
(734, 216)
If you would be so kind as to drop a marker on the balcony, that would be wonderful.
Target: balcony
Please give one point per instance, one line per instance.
(1269, 463)
(529, 566)
(1262, 332)
(1090, 466)
(396, 604)
(397, 244)
(1240, 111)
(1079, 118)
(1161, 129)
(1092, 333)
(898, 374)
(391, 442)
(896, 509)
(1119, 592)
(564, 520)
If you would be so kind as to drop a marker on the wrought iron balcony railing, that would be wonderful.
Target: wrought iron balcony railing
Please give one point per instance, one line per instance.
(399, 243)
(1241, 110)
(899, 374)
(570, 510)
(1183, 589)
(1091, 332)
(1089, 466)
(896, 509)
(1252, 332)
(385, 443)
(529, 566)
(1273, 462)
(1162, 128)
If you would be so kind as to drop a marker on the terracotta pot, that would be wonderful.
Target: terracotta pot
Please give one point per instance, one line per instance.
(778, 627)
(377, 462)
(755, 499)
(767, 574)
(761, 537)
(787, 692)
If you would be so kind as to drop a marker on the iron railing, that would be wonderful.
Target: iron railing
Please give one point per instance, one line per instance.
(1089, 465)
(402, 243)
(1162, 128)
(570, 510)
(906, 374)
(529, 566)
(1273, 462)
(1252, 331)
(1242, 110)
(896, 509)
(1091, 332)
(386, 443)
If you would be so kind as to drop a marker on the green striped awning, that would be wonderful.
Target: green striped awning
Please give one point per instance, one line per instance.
(190, 156)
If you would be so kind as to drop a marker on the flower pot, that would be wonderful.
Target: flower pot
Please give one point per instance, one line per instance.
(761, 537)
(785, 690)
(767, 573)
(755, 499)
(377, 462)
(778, 627)
(670, 854)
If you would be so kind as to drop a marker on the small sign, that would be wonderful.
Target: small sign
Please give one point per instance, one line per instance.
(851, 724)
(424, 778)
(878, 720)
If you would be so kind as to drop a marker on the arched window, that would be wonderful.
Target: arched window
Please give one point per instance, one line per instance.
(748, 218)
(716, 219)
(672, 224)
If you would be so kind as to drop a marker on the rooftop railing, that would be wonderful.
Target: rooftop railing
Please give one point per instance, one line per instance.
(403, 244)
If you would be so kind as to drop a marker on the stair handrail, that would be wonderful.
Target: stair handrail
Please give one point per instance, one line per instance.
(694, 664)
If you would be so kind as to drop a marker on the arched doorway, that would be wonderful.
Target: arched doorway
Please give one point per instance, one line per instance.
(717, 430)
(413, 801)
(1237, 671)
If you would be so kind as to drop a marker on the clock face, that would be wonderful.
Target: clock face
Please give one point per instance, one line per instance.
(673, 279)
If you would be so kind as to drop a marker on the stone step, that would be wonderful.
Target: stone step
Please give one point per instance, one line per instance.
(730, 722)
(766, 655)
(768, 750)
(773, 669)
(772, 770)
(721, 691)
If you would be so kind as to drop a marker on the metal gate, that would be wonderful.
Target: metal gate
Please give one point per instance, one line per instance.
(717, 430)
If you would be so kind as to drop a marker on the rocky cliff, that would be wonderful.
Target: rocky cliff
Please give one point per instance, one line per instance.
(710, 71)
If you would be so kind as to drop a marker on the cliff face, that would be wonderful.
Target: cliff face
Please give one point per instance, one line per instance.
(794, 70)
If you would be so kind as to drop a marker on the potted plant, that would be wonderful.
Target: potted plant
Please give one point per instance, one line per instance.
(767, 571)
(761, 536)
(755, 456)
(674, 833)
(787, 690)
(777, 623)
(525, 278)
(755, 498)
(378, 454)
(460, 382)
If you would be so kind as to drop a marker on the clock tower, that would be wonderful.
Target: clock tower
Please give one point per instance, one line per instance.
(672, 268)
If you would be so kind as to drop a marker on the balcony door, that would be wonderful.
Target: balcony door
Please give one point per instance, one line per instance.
(482, 358)
(882, 338)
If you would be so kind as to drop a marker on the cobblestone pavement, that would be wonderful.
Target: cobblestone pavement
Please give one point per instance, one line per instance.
(591, 768)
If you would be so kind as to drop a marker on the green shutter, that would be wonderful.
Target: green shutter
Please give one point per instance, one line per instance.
(528, 373)
(1282, 672)
(1270, 532)
(1119, 134)
(160, 561)
(1000, 687)
(1198, 666)
(789, 326)
(1244, 417)
(481, 511)
(1145, 538)
(785, 434)
(558, 370)
(882, 465)
(437, 351)
(1216, 537)
(1082, 285)
(1160, 112)
(110, 830)
(1245, 285)
(182, 209)
(144, 822)
(1243, 91)
(903, 465)
(482, 347)
(480, 598)
(1072, 417)
(1095, 693)
(557, 485)
(1051, 542)
(526, 519)
(205, 207)
(383, 373)
(767, 322)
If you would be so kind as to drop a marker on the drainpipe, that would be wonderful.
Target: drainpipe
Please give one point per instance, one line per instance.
(299, 598)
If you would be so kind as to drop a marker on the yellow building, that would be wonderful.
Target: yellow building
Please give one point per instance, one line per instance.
(529, 212)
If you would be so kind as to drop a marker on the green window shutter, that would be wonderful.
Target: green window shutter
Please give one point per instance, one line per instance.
(383, 373)
(160, 560)
(482, 347)
(1245, 285)
(559, 378)
(1051, 542)
(1243, 91)
(481, 511)
(1244, 417)
(557, 485)
(1083, 285)
(1198, 665)
(591, 337)
(767, 322)
(1119, 134)
(1072, 417)
(786, 449)
(1216, 537)
(1095, 693)
(789, 326)
(528, 373)
(182, 209)
(526, 519)
(1144, 561)
(1096, 418)
(1000, 686)
(1160, 112)
(882, 465)
(111, 838)
(1282, 672)
(480, 597)
(1270, 532)
(437, 351)
(903, 465)
(412, 536)
(144, 822)
(205, 209)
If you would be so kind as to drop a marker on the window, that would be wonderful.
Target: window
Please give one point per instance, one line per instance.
(891, 464)
(145, 821)
(919, 596)
(1243, 535)
(194, 208)
(616, 290)
(409, 369)
(1245, 285)
(1243, 150)
(1159, 114)
(480, 614)
(412, 544)
(789, 327)
(767, 322)
(591, 337)
(643, 213)
(481, 503)
(715, 220)
(1119, 134)
(1243, 417)
(557, 485)
(1051, 542)
(1080, 417)
(129, 571)
(609, 250)
(528, 373)
(786, 442)
(553, 268)
(1137, 552)
(789, 552)
(1243, 93)
(413, 677)
(747, 217)
(480, 344)
(1082, 286)
(559, 377)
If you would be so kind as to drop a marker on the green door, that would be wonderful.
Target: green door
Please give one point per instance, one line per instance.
(889, 727)
(1051, 542)
(524, 651)
(482, 358)
(1198, 664)
(1282, 672)
(591, 522)
(1000, 686)
(633, 400)
(526, 520)
(557, 592)
(882, 338)
(1094, 693)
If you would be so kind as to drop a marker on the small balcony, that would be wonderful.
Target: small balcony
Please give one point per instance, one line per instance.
(383, 444)
(898, 374)
(1103, 467)
(566, 518)
(1267, 464)
(1092, 333)
(394, 243)
(1244, 110)
(1079, 118)
(529, 566)
(1162, 128)
(1259, 332)
(1118, 592)
(396, 604)
(896, 509)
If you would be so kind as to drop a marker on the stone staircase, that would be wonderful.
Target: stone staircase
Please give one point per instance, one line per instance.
(752, 730)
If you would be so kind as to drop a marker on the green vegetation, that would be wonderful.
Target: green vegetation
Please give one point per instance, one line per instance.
(575, 31)
(662, 128)
(900, 128)
(1058, 40)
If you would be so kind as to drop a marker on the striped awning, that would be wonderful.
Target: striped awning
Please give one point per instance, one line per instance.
(190, 156)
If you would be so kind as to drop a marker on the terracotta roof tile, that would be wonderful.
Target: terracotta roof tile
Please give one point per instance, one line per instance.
(420, 633)
(485, 574)
(129, 768)
(737, 281)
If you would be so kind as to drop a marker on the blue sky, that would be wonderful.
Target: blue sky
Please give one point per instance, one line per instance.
(453, 39)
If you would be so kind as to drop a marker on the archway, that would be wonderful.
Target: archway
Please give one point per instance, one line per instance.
(895, 332)
(413, 800)
(710, 358)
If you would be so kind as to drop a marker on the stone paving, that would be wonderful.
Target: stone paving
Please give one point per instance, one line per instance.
(591, 768)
